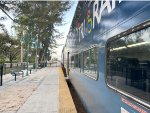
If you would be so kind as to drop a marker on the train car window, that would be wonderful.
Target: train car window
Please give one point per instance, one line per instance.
(72, 62)
(128, 64)
(76, 64)
(90, 62)
(86, 58)
(79, 60)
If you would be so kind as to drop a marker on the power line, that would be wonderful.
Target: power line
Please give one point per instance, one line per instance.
(7, 14)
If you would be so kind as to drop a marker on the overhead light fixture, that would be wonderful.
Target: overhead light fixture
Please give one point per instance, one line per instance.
(128, 46)
(138, 44)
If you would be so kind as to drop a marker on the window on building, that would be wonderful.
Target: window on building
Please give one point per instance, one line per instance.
(128, 63)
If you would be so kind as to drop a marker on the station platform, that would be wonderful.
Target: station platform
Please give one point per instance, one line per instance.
(43, 91)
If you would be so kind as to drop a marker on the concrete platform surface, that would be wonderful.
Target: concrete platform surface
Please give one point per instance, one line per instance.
(43, 91)
(45, 98)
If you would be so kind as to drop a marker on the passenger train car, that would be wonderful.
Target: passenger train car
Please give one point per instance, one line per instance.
(107, 55)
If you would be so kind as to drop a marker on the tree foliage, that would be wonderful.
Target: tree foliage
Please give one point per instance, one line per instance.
(37, 19)
(9, 48)
(40, 18)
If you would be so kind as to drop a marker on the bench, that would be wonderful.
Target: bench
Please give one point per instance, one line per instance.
(17, 73)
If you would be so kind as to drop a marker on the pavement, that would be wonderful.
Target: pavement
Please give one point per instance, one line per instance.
(36, 93)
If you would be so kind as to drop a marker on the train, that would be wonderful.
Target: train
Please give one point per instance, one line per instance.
(107, 55)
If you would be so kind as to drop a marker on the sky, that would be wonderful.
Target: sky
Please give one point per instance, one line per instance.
(65, 29)
(68, 16)
(8, 23)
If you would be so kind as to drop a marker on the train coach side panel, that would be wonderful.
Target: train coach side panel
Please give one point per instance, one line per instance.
(96, 96)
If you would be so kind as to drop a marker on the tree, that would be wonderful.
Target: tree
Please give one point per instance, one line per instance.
(12, 51)
(3, 41)
(8, 48)
(39, 20)
(36, 18)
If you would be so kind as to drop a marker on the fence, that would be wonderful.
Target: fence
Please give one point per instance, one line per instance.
(15, 66)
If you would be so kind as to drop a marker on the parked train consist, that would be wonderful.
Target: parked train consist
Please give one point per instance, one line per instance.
(107, 55)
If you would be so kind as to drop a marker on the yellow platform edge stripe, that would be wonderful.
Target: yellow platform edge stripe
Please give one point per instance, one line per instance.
(66, 104)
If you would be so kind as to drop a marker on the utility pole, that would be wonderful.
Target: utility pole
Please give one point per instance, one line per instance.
(47, 57)
(28, 54)
(21, 43)
(21, 53)
(36, 60)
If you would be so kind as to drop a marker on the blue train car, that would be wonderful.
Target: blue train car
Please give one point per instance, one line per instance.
(107, 55)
